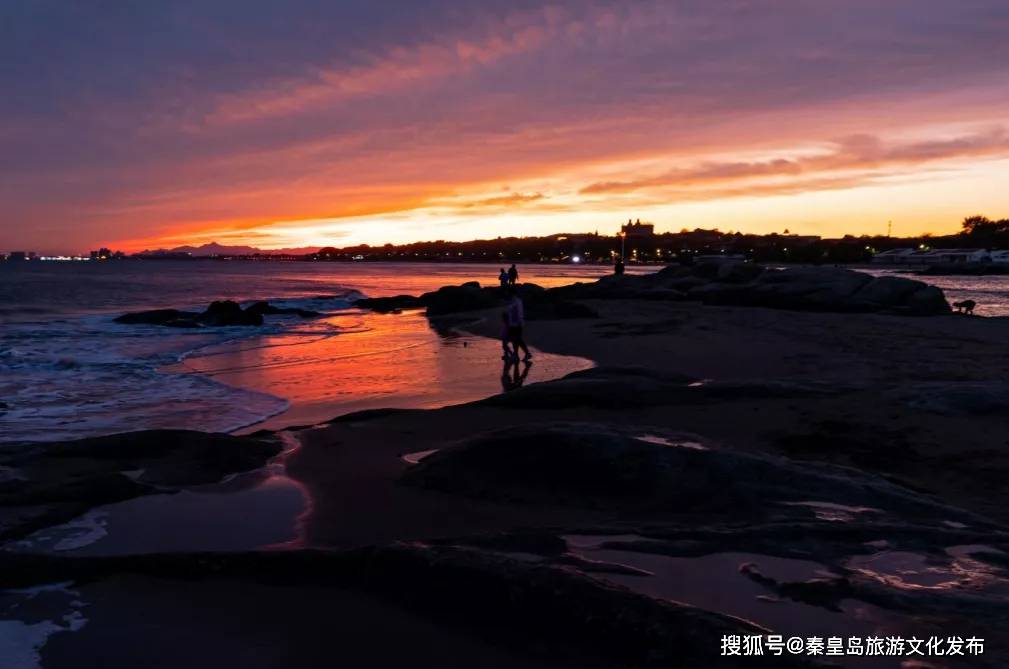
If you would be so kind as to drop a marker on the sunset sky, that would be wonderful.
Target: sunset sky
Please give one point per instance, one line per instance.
(312, 122)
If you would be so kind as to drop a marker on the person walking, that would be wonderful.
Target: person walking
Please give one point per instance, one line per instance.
(515, 317)
(513, 275)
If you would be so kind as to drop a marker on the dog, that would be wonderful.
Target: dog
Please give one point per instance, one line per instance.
(965, 307)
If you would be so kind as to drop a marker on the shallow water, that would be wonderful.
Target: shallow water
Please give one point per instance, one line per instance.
(255, 510)
(67, 371)
(715, 582)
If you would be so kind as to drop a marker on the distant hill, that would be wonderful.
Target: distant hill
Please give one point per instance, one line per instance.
(215, 249)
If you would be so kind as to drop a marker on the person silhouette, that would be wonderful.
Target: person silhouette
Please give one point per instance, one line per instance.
(516, 318)
(503, 278)
(513, 275)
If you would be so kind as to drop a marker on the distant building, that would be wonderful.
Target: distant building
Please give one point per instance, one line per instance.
(911, 256)
(904, 256)
(953, 256)
(637, 230)
(18, 255)
(1000, 256)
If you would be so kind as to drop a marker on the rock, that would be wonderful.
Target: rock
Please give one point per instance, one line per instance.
(927, 301)
(265, 308)
(738, 272)
(168, 457)
(226, 313)
(737, 284)
(826, 289)
(170, 317)
(597, 465)
(599, 387)
(501, 599)
(560, 309)
(467, 297)
(222, 313)
(59, 481)
(389, 304)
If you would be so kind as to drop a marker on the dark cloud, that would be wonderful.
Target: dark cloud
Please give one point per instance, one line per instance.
(857, 152)
(195, 110)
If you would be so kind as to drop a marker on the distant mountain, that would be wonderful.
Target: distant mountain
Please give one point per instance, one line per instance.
(215, 249)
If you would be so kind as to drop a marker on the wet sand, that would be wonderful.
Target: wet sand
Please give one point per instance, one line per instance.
(375, 361)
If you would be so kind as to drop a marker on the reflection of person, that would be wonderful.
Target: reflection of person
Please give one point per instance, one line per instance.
(508, 355)
(503, 278)
(515, 315)
(512, 377)
(513, 275)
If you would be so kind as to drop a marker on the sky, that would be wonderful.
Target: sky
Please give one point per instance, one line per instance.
(296, 123)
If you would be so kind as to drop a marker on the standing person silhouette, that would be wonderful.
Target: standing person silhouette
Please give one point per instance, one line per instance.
(503, 278)
(513, 275)
(515, 316)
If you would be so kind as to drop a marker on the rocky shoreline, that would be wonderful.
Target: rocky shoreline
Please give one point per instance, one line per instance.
(821, 466)
(828, 289)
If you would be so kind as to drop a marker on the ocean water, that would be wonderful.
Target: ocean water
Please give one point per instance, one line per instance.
(67, 370)
(990, 292)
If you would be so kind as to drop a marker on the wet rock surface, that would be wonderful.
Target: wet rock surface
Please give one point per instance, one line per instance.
(56, 482)
(614, 387)
(651, 470)
(218, 314)
(550, 611)
(829, 289)
(540, 303)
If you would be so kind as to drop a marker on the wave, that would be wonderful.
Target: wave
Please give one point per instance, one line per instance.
(87, 376)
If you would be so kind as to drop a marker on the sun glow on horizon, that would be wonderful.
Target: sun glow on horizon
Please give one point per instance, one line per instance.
(462, 121)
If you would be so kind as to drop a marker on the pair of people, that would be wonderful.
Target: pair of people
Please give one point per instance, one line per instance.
(512, 325)
(509, 277)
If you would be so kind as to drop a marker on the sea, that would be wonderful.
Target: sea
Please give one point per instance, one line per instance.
(67, 370)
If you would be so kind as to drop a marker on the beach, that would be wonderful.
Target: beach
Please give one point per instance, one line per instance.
(702, 470)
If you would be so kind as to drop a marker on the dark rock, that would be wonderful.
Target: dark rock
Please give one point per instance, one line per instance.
(453, 299)
(591, 623)
(389, 304)
(226, 313)
(168, 457)
(635, 387)
(738, 272)
(599, 387)
(267, 309)
(826, 289)
(560, 309)
(598, 465)
(171, 317)
(56, 482)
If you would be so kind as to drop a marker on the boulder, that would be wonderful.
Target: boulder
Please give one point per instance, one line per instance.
(389, 304)
(467, 297)
(738, 272)
(170, 317)
(599, 465)
(265, 308)
(227, 312)
(825, 289)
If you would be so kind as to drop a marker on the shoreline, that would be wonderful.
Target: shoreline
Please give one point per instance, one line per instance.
(801, 454)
